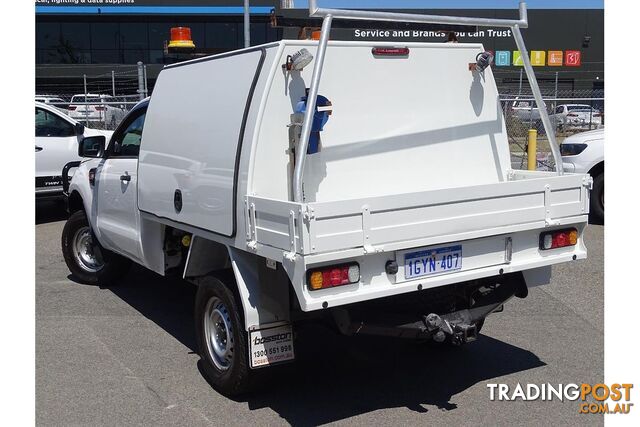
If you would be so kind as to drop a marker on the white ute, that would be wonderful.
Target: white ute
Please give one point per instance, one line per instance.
(389, 208)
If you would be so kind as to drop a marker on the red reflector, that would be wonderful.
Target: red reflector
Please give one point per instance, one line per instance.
(390, 51)
(335, 277)
(559, 240)
(326, 278)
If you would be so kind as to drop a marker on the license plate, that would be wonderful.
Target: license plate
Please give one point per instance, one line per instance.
(430, 261)
(270, 345)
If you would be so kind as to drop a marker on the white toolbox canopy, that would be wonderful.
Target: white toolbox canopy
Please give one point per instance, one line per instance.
(218, 128)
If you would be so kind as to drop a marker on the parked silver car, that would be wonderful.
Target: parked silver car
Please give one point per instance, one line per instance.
(576, 116)
(103, 109)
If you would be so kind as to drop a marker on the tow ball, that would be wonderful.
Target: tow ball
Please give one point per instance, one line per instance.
(440, 328)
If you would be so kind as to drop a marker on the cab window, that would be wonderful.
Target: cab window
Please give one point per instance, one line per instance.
(49, 124)
(126, 140)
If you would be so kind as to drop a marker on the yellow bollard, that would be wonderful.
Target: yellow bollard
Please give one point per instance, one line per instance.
(531, 150)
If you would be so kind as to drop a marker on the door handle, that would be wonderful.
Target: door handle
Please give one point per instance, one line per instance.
(38, 148)
(125, 177)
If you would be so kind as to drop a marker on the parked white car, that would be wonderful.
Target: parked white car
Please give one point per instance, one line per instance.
(54, 101)
(103, 109)
(576, 116)
(525, 110)
(584, 153)
(57, 137)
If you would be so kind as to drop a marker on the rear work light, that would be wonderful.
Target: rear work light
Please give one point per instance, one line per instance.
(333, 275)
(390, 51)
(558, 238)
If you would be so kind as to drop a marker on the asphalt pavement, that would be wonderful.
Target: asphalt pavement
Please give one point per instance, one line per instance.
(125, 355)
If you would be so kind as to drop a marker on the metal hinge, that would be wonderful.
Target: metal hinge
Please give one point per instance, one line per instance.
(548, 222)
(508, 250)
(308, 214)
(291, 255)
(252, 239)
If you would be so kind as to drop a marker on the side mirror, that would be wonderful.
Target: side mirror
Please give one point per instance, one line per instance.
(92, 146)
(79, 129)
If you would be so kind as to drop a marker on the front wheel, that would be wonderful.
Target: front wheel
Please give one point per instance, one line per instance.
(85, 258)
(221, 338)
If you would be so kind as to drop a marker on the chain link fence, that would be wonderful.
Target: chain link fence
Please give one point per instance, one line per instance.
(570, 111)
(100, 100)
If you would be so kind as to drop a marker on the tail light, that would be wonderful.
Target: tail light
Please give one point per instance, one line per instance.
(597, 114)
(390, 51)
(333, 275)
(558, 238)
(572, 115)
(99, 108)
(71, 107)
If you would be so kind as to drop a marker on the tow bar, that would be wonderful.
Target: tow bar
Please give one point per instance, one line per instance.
(439, 328)
(460, 326)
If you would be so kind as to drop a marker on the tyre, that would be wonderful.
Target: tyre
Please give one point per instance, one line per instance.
(85, 258)
(221, 338)
(597, 198)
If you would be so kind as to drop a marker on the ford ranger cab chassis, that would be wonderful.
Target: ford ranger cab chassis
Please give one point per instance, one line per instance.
(362, 183)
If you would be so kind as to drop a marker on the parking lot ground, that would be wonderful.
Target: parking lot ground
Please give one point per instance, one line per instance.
(125, 356)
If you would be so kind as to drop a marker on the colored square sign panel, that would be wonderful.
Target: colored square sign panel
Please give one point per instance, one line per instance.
(554, 58)
(538, 58)
(503, 58)
(572, 58)
(517, 58)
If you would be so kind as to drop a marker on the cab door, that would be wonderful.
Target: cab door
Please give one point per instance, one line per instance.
(118, 219)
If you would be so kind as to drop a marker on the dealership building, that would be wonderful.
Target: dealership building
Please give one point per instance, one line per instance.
(78, 40)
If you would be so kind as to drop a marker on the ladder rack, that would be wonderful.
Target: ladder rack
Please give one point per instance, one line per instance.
(329, 14)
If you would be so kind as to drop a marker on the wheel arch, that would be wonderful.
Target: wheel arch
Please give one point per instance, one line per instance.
(597, 169)
(263, 291)
(75, 202)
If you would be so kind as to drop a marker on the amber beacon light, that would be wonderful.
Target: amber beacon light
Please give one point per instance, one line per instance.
(181, 38)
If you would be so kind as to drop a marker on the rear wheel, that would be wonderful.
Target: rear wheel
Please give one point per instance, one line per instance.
(86, 259)
(221, 338)
(597, 198)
